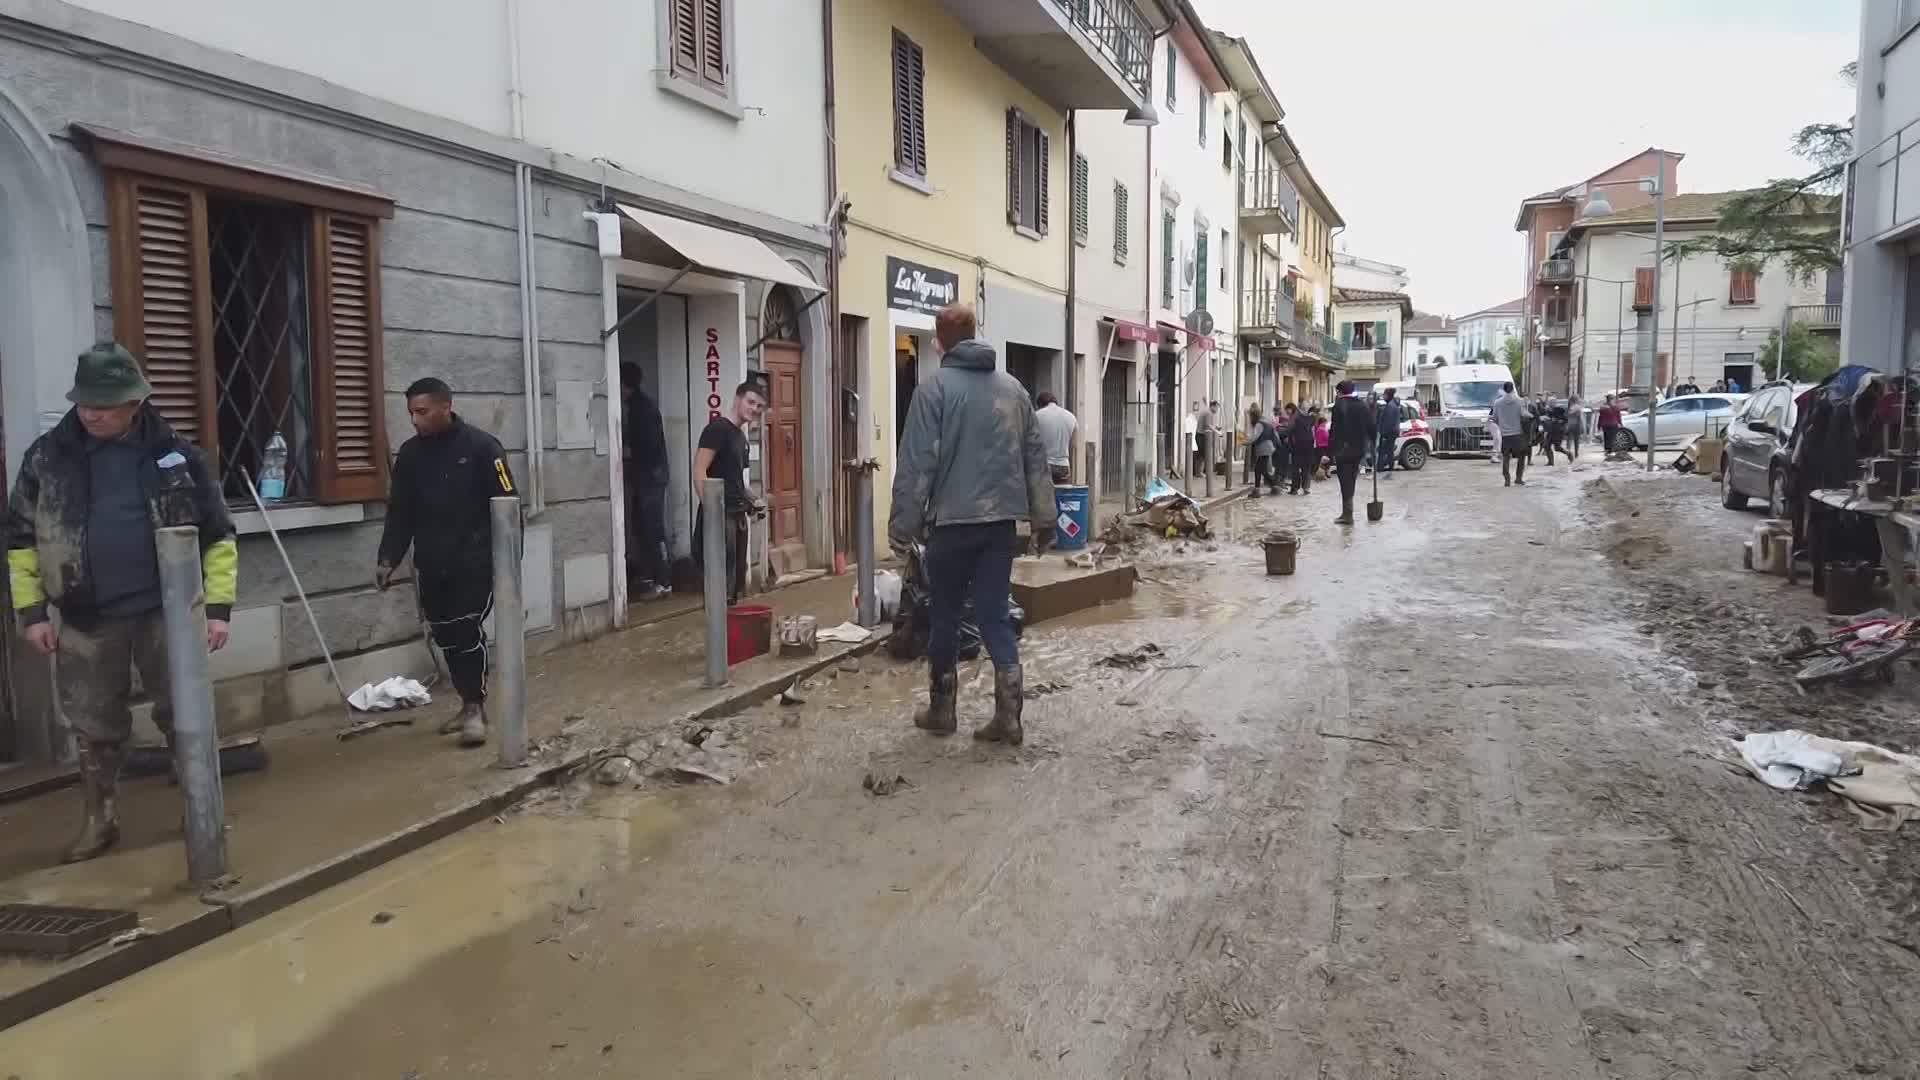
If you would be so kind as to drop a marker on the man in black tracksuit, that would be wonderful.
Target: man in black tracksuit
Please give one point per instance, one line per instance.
(1353, 439)
(444, 482)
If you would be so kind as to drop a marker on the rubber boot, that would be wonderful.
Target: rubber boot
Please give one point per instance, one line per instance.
(940, 715)
(1346, 512)
(456, 721)
(473, 724)
(100, 779)
(1009, 697)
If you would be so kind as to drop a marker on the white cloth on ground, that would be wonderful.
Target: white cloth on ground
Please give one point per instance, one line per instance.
(397, 692)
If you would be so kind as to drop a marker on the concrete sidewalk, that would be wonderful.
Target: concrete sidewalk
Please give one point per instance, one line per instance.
(325, 810)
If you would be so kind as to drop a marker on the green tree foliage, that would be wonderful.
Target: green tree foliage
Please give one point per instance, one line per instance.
(1484, 356)
(1513, 353)
(1792, 222)
(1810, 356)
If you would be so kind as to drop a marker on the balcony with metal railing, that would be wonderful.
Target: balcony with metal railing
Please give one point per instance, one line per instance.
(1556, 271)
(1558, 331)
(1269, 204)
(1327, 347)
(1817, 316)
(1267, 313)
(1076, 54)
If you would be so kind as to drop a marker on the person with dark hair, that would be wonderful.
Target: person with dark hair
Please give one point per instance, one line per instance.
(1059, 434)
(1261, 443)
(1300, 436)
(644, 446)
(722, 455)
(1386, 431)
(971, 465)
(1511, 417)
(445, 479)
(1353, 439)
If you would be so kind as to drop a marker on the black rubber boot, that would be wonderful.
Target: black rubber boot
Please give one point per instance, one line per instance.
(473, 724)
(100, 777)
(1009, 697)
(940, 715)
(1346, 512)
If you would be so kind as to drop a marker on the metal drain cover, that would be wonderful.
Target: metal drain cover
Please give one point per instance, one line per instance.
(59, 931)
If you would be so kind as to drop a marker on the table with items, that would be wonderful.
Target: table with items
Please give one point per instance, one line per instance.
(1833, 535)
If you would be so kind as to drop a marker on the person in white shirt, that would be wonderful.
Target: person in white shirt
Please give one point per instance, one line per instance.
(1059, 433)
(1192, 433)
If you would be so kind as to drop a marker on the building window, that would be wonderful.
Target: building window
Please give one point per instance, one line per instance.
(1121, 221)
(1225, 240)
(1202, 113)
(1643, 288)
(698, 31)
(253, 303)
(1361, 335)
(1173, 74)
(1741, 282)
(909, 107)
(1028, 161)
(1168, 226)
(1200, 265)
(1082, 197)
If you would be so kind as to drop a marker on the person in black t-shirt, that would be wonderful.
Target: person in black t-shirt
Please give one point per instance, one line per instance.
(722, 455)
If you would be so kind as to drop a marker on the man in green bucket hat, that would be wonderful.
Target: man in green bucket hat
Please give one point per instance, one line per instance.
(80, 537)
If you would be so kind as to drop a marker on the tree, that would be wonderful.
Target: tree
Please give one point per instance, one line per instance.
(1484, 356)
(1794, 221)
(1810, 356)
(1513, 353)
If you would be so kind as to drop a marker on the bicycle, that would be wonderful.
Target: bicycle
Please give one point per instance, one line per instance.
(1867, 647)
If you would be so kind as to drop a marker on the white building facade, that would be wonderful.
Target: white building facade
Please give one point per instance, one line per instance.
(475, 192)
(1113, 327)
(1429, 339)
(1371, 326)
(1880, 317)
(1354, 272)
(1488, 330)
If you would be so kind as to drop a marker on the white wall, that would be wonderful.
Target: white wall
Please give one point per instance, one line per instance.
(1354, 272)
(1437, 347)
(1885, 215)
(1359, 364)
(588, 72)
(1208, 192)
(1708, 330)
(1487, 332)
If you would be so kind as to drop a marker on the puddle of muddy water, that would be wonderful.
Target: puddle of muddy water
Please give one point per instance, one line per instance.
(275, 995)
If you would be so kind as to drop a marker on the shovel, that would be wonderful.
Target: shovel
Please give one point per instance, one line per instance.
(1376, 509)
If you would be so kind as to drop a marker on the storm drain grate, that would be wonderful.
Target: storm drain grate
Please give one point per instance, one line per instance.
(59, 931)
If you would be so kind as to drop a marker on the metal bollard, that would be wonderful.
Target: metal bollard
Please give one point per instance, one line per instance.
(713, 560)
(509, 697)
(1093, 490)
(1212, 440)
(869, 613)
(196, 740)
(1127, 468)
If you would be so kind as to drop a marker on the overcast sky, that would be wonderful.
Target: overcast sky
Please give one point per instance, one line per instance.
(1427, 123)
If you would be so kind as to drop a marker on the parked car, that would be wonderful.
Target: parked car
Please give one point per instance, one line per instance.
(1754, 465)
(1415, 444)
(1680, 420)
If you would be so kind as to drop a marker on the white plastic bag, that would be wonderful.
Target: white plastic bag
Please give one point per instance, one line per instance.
(398, 692)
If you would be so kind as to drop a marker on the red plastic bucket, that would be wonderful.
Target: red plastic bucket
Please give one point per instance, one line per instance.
(749, 632)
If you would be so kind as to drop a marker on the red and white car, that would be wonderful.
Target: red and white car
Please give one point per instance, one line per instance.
(1415, 444)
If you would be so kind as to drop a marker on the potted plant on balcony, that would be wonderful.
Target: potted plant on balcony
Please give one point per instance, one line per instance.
(1303, 310)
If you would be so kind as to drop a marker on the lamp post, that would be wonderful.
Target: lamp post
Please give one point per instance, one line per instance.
(1598, 206)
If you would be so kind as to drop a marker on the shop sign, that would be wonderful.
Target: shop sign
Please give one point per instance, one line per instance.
(713, 373)
(925, 289)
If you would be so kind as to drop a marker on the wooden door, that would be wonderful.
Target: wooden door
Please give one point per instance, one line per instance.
(785, 445)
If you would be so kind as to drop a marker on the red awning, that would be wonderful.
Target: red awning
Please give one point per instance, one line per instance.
(1132, 331)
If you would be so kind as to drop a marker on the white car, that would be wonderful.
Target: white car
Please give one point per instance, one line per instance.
(1678, 421)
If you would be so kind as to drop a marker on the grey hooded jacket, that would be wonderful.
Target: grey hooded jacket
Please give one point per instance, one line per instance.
(972, 452)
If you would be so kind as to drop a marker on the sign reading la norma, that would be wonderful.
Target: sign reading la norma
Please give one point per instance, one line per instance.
(713, 373)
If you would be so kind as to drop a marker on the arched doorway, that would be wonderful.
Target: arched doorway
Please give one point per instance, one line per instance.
(46, 318)
(785, 473)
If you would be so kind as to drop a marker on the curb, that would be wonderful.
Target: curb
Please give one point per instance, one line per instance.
(229, 911)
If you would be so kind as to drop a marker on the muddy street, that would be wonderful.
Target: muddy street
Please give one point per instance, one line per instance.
(1449, 802)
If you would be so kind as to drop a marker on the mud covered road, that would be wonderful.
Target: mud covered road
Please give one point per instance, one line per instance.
(1444, 804)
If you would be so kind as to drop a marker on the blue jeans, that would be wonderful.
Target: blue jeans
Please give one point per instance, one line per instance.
(980, 558)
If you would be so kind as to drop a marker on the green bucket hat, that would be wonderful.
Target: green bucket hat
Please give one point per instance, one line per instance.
(107, 375)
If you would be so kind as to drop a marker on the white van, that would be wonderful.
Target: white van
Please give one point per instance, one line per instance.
(1457, 398)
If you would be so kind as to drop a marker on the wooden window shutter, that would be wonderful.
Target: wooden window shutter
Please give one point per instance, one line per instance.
(349, 413)
(684, 19)
(1082, 200)
(1740, 286)
(1662, 370)
(1121, 220)
(1626, 369)
(162, 305)
(909, 106)
(1380, 335)
(1346, 335)
(713, 43)
(1014, 140)
(1643, 287)
(1042, 169)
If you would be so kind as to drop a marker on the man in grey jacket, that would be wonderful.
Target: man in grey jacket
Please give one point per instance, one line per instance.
(971, 465)
(1511, 414)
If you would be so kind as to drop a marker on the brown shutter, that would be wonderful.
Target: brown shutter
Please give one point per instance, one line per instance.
(162, 307)
(1014, 141)
(1626, 369)
(1042, 149)
(349, 416)
(1643, 287)
(713, 43)
(684, 17)
(1740, 286)
(1662, 370)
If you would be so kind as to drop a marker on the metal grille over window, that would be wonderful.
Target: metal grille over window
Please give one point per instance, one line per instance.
(263, 384)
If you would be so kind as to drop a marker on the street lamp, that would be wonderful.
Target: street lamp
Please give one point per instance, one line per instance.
(1597, 206)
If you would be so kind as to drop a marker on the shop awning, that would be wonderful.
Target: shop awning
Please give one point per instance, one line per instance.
(715, 251)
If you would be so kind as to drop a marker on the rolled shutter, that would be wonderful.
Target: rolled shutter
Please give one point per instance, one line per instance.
(713, 43)
(1014, 201)
(162, 307)
(350, 452)
(685, 31)
(1043, 150)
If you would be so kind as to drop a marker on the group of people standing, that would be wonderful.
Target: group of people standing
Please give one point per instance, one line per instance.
(1291, 447)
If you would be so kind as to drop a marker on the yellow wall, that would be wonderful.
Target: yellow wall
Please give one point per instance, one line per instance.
(964, 220)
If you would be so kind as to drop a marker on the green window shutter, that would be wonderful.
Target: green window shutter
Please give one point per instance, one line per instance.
(1346, 335)
(1168, 266)
(1200, 268)
(1043, 167)
(1380, 336)
(1082, 198)
(1202, 110)
(1173, 74)
(1121, 221)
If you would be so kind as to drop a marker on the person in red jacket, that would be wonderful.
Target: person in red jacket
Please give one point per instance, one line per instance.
(1609, 423)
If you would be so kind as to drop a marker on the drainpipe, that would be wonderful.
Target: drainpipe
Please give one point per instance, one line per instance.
(1073, 262)
(529, 297)
(840, 476)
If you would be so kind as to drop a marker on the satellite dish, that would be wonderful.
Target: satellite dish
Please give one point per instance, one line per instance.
(1200, 321)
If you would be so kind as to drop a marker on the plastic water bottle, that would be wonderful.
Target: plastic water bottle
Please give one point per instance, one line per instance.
(273, 470)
